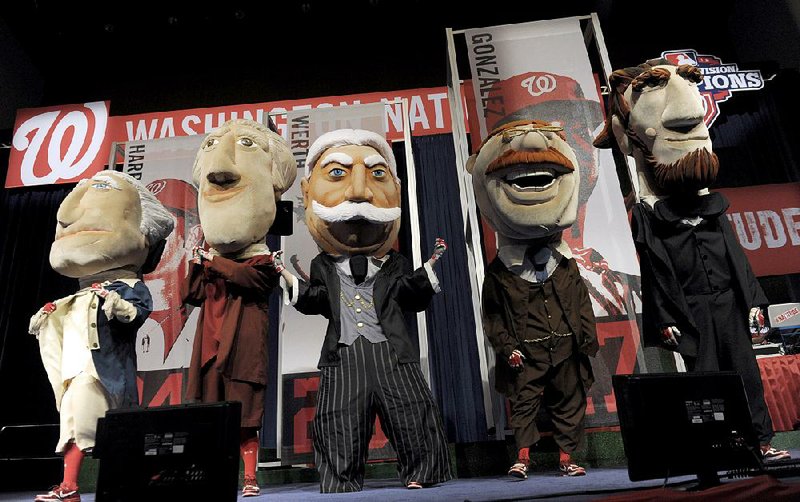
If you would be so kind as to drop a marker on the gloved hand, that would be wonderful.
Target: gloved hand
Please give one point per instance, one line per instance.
(515, 359)
(670, 336)
(756, 321)
(439, 247)
(199, 254)
(276, 261)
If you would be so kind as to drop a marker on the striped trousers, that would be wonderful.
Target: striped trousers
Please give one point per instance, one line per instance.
(369, 380)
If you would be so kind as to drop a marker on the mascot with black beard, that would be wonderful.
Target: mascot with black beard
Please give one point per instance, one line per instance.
(699, 295)
(537, 313)
(368, 363)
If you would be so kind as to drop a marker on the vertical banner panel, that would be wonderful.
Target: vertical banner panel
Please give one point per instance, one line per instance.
(164, 342)
(541, 70)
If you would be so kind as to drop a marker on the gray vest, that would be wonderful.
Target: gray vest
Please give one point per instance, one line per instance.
(358, 314)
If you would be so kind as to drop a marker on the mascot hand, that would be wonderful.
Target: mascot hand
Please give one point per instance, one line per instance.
(439, 247)
(670, 336)
(276, 261)
(515, 359)
(199, 254)
(756, 321)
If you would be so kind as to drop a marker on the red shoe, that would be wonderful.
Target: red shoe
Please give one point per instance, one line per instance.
(571, 470)
(59, 494)
(250, 488)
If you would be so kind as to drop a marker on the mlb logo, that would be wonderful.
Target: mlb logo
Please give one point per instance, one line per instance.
(686, 56)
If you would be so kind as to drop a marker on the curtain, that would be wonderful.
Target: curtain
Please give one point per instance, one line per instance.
(27, 227)
(453, 351)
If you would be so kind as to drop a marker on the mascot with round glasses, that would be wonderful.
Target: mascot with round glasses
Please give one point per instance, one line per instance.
(537, 313)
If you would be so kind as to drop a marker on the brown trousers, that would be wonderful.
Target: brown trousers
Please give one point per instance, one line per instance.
(561, 389)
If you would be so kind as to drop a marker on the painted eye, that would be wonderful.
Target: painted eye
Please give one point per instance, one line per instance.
(211, 142)
(245, 142)
(101, 185)
(379, 173)
(337, 172)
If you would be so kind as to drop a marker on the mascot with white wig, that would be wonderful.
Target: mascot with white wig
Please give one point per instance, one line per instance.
(537, 313)
(352, 199)
(110, 232)
(699, 295)
(241, 170)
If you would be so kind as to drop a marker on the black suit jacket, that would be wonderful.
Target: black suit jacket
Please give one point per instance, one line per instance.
(396, 289)
(663, 300)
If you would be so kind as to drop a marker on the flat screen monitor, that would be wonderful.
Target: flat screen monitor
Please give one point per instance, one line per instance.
(676, 424)
(184, 452)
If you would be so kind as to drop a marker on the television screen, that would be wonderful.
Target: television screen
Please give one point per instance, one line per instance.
(185, 452)
(677, 424)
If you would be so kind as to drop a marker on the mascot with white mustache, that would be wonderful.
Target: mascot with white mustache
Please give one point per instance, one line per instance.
(699, 295)
(537, 313)
(368, 364)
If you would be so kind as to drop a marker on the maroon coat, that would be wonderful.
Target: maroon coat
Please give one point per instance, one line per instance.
(234, 318)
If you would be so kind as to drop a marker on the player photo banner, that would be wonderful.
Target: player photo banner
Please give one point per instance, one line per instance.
(164, 342)
(541, 70)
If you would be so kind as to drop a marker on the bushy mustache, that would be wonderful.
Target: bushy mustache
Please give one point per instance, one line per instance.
(348, 211)
(511, 157)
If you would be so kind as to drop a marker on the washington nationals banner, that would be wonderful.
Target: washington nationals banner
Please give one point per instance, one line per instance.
(64, 144)
(541, 70)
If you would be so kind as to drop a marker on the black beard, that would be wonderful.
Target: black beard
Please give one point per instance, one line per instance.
(690, 173)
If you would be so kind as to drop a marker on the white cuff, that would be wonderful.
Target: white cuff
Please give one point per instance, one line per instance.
(432, 277)
(290, 291)
(37, 321)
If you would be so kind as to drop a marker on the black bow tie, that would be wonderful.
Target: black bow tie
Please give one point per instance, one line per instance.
(358, 268)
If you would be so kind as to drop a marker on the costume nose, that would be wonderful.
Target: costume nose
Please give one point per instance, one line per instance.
(70, 210)
(227, 147)
(534, 140)
(684, 109)
(358, 191)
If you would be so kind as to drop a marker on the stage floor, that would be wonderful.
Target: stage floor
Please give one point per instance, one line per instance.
(597, 484)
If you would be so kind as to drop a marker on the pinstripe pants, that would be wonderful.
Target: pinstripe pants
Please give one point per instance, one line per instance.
(369, 380)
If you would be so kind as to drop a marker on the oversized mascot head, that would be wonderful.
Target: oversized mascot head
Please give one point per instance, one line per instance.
(526, 180)
(351, 193)
(241, 170)
(655, 114)
(108, 222)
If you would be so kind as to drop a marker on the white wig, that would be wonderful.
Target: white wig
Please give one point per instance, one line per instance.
(342, 137)
(157, 222)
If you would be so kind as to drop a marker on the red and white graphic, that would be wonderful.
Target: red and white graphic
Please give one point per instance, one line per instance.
(720, 80)
(766, 220)
(61, 144)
